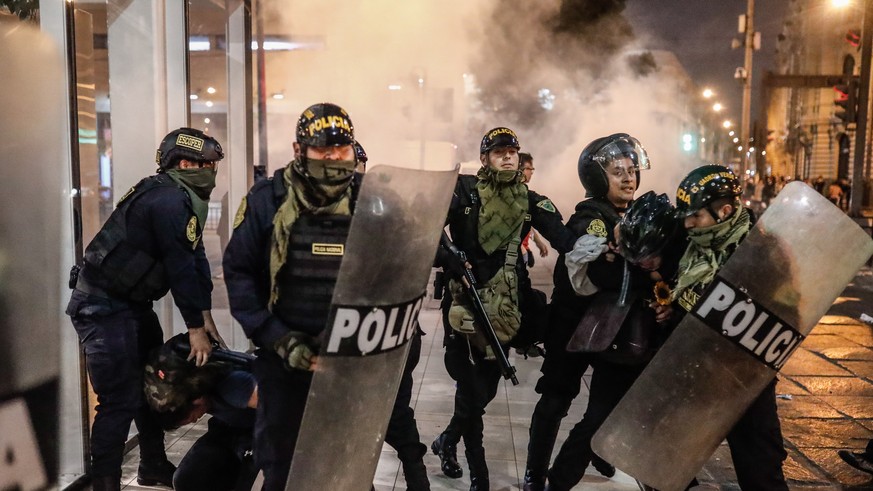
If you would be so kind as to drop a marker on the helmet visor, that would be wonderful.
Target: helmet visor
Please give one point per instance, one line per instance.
(620, 149)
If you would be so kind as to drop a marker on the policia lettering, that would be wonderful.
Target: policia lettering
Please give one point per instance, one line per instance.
(359, 331)
(747, 324)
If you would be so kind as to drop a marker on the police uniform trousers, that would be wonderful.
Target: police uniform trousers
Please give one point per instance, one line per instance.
(281, 400)
(609, 383)
(476, 386)
(756, 445)
(220, 460)
(402, 433)
(559, 384)
(117, 337)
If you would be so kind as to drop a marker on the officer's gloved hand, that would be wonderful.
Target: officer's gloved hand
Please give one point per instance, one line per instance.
(587, 248)
(296, 350)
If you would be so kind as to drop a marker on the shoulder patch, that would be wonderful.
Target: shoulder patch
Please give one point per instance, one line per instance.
(240, 212)
(597, 227)
(126, 195)
(547, 205)
(191, 230)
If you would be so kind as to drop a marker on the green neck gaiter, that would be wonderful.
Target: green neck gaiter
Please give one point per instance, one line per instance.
(504, 205)
(708, 249)
(328, 179)
(199, 184)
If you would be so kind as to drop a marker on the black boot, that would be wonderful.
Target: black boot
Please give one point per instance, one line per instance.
(155, 473)
(106, 483)
(544, 425)
(448, 453)
(479, 480)
(533, 482)
(414, 470)
(603, 467)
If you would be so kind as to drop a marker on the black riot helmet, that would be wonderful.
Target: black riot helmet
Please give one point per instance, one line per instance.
(704, 185)
(187, 144)
(647, 226)
(498, 137)
(597, 155)
(325, 125)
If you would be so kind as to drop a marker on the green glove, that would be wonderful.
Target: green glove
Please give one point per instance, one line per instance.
(295, 349)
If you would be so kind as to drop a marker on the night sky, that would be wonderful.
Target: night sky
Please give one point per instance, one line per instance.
(699, 32)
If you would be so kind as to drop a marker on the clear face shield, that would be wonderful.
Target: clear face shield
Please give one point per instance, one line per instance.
(623, 156)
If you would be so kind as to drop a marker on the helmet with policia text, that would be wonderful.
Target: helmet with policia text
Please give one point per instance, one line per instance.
(704, 185)
(188, 144)
(647, 226)
(597, 156)
(360, 153)
(325, 125)
(498, 137)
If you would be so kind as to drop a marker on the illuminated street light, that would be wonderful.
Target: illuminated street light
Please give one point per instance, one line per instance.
(736, 140)
(740, 148)
(707, 93)
(727, 123)
(840, 3)
(717, 107)
(732, 133)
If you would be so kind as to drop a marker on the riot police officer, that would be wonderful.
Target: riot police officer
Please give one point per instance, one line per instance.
(151, 244)
(489, 215)
(708, 200)
(609, 169)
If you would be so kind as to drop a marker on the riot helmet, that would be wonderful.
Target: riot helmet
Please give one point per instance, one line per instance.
(498, 137)
(188, 144)
(597, 155)
(647, 227)
(704, 185)
(325, 125)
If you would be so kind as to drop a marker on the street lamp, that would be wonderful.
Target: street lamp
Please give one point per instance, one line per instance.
(707, 93)
(840, 3)
(717, 107)
(727, 123)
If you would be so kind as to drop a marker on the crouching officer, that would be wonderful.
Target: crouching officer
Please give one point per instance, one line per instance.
(151, 244)
(280, 285)
(489, 215)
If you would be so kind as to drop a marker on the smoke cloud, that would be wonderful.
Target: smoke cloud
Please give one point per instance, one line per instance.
(560, 73)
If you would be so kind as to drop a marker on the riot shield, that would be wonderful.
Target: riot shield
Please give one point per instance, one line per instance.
(773, 290)
(380, 289)
(31, 192)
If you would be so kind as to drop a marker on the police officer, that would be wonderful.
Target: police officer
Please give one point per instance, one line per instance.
(279, 289)
(609, 171)
(151, 244)
(708, 200)
(489, 215)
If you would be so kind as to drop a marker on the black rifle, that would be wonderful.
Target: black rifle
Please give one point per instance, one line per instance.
(243, 360)
(479, 315)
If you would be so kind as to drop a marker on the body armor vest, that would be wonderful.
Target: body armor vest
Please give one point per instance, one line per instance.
(307, 279)
(118, 267)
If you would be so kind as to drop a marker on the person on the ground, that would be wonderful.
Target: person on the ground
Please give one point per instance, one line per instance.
(151, 244)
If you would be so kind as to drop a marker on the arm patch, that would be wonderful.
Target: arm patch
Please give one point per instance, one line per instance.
(597, 227)
(547, 205)
(240, 212)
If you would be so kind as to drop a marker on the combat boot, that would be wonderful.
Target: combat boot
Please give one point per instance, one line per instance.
(448, 454)
(155, 473)
(479, 480)
(106, 483)
(414, 470)
(533, 482)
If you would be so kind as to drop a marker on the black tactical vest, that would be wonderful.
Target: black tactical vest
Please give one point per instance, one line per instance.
(306, 280)
(119, 267)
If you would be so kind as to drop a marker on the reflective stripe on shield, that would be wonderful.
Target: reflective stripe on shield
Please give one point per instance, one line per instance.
(773, 290)
(382, 280)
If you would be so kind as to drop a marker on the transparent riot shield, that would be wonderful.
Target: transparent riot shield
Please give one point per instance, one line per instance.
(382, 280)
(780, 281)
(31, 193)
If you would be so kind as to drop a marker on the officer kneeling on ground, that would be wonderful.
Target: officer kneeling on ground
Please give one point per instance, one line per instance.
(151, 244)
